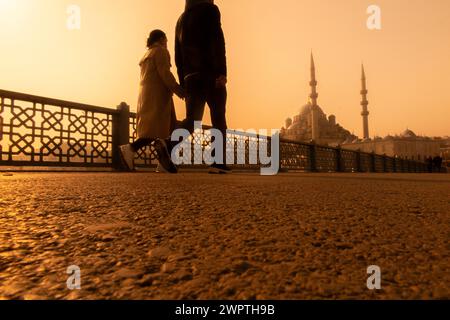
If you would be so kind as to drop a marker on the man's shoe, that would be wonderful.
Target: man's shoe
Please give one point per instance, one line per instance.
(127, 154)
(165, 163)
(219, 169)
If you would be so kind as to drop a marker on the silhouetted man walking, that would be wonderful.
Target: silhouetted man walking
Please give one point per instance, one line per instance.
(200, 57)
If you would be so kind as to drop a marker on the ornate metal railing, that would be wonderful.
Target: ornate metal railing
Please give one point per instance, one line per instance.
(38, 131)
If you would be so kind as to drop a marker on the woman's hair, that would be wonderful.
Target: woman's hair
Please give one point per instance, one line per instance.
(155, 36)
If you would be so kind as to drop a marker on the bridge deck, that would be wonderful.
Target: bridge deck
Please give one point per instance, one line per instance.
(293, 236)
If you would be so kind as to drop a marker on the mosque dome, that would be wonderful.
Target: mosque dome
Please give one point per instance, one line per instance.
(288, 123)
(408, 134)
(348, 140)
(307, 109)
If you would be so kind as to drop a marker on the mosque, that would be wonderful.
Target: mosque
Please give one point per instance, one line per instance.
(313, 125)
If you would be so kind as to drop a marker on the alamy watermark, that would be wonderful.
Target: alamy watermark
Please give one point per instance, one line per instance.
(374, 280)
(73, 21)
(74, 280)
(258, 152)
(73, 17)
(374, 19)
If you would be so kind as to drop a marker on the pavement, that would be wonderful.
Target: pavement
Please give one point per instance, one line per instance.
(240, 236)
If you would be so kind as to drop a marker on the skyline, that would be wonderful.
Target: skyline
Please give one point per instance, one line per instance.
(60, 63)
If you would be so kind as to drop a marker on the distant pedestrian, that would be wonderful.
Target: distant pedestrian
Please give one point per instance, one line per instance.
(437, 161)
(429, 161)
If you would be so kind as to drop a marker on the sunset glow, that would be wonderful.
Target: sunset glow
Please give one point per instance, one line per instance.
(407, 65)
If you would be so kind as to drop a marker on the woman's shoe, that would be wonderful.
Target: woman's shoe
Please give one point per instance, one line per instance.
(165, 162)
(127, 155)
(160, 169)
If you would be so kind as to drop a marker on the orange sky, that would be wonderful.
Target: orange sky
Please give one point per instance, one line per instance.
(268, 43)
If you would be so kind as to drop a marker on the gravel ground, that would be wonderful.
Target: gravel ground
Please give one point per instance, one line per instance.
(241, 236)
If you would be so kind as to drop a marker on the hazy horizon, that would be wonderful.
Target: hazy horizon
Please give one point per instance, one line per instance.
(268, 46)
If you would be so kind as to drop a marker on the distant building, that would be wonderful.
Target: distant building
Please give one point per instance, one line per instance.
(445, 151)
(312, 124)
(406, 146)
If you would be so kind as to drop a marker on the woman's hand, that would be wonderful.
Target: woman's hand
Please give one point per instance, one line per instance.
(180, 92)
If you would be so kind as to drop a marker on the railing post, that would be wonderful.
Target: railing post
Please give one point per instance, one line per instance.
(339, 162)
(120, 133)
(313, 156)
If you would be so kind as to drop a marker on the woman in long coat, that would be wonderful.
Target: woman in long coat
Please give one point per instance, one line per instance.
(156, 118)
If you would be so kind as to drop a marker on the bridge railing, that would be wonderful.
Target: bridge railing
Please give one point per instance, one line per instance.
(44, 132)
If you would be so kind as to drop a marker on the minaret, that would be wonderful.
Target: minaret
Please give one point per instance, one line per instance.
(364, 104)
(314, 95)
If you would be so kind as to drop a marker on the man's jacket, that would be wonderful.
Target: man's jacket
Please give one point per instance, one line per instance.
(200, 43)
